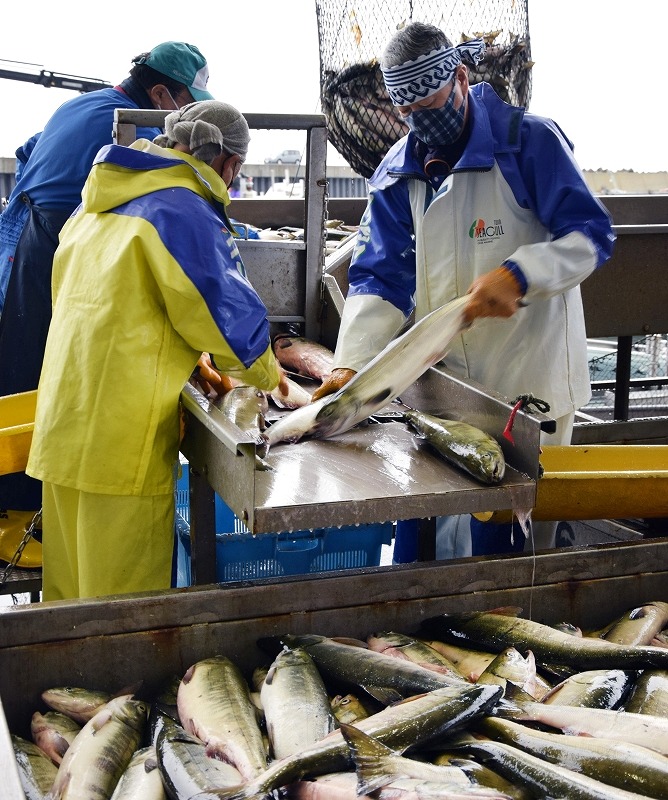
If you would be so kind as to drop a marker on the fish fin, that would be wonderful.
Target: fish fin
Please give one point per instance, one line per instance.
(369, 756)
(61, 746)
(384, 694)
(262, 465)
(514, 691)
(102, 720)
(133, 689)
(511, 708)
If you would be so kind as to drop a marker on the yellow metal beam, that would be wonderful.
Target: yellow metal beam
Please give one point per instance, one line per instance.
(598, 482)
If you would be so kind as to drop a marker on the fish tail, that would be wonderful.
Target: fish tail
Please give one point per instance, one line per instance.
(369, 756)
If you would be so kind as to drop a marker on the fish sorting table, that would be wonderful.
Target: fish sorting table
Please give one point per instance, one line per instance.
(374, 473)
(108, 643)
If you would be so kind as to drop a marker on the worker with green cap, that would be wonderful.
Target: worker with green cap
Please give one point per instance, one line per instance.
(147, 277)
(171, 75)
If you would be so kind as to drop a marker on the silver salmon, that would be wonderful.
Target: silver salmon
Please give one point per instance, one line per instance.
(36, 770)
(54, 733)
(297, 396)
(641, 729)
(296, 706)
(403, 725)
(639, 625)
(398, 645)
(98, 757)
(650, 694)
(141, 778)
(463, 445)
(542, 777)
(626, 766)
(377, 765)
(245, 407)
(185, 768)
(303, 356)
(510, 666)
(378, 383)
(494, 631)
(593, 688)
(214, 704)
(386, 679)
(76, 702)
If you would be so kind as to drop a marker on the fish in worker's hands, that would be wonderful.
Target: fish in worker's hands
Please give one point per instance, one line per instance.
(382, 380)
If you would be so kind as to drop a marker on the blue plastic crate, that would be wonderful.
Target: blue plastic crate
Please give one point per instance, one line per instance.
(226, 519)
(242, 556)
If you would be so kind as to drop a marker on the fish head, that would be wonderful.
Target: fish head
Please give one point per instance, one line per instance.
(492, 466)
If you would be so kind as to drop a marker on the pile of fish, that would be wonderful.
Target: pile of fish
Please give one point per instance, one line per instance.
(481, 704)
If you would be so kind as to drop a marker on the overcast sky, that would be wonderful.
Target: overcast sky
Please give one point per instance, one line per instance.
(600, 72)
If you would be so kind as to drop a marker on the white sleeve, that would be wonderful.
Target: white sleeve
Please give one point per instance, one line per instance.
(551, 268)
(368, 324)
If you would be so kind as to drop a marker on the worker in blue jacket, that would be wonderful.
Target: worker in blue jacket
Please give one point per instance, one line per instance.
(482, 198)
(146, 278)
(48, 190)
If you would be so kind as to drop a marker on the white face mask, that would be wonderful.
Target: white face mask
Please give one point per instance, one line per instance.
(176, 108)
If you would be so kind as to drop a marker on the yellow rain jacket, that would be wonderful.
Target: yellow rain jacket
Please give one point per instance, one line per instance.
(146, 278)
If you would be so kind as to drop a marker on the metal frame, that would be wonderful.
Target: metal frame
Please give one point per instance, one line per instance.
(271, 264)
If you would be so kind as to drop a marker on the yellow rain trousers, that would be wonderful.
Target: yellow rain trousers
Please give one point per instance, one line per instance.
(85, 557)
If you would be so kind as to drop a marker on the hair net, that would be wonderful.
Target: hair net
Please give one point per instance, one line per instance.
(207, 128)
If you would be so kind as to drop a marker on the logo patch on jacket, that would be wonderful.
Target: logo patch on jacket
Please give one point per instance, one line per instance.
(483, 233)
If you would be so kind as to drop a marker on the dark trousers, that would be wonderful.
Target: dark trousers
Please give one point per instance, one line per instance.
(487, 538)
(24, 325)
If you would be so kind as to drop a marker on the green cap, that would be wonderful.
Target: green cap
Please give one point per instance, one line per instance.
(183, 63)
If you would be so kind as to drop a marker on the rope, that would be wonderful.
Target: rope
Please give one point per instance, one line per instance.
(522, 402)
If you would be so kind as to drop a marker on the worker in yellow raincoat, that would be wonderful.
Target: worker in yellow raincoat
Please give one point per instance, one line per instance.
(146, 278)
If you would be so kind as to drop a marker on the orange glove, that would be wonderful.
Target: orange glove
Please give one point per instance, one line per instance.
(210, 378)
(337, 379)
(495, 294)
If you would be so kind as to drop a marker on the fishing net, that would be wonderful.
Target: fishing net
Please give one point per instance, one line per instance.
(362, 124)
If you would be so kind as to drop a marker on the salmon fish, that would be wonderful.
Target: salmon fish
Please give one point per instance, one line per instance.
(403, 725)
(303, 356)
(214, 705)
(382, 380)
(463, 445)
(101, 752)
(497, 630)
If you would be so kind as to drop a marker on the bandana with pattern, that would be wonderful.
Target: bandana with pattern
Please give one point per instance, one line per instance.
(415, 80)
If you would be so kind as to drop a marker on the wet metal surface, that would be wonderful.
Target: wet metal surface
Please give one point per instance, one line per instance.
(373, 473)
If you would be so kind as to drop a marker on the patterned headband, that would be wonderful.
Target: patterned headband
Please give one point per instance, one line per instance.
(414, 80)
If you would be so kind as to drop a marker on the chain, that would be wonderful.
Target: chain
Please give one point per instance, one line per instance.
(35, 524)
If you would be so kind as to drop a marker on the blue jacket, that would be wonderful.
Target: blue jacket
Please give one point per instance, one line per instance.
(515, 197)
(520, 143)
(59, 163)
